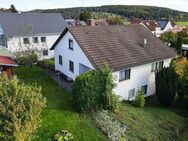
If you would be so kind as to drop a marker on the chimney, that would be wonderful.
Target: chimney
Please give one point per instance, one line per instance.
(90, 22)
(145, 42)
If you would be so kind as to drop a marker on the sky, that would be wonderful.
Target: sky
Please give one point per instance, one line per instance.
(24, 5)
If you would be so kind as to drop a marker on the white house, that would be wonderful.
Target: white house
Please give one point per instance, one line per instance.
(153, 26)
(166, 25)
(132, 52)
(31, 31)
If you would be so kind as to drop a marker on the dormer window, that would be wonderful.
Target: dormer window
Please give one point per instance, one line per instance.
(70, 44)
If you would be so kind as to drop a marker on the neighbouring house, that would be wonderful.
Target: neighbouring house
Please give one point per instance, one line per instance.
(73, 22)
(153, 26)
(156, 27)
(132, 52)
(166, 25)
(31, 31)
(136, 21)
(96, 22)
(177, 28)
(6, 62)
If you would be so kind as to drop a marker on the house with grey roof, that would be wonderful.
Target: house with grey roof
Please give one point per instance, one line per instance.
(166, 25)
(31, 31)
(132, 52)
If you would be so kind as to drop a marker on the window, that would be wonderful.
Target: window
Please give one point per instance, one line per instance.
(71, 66)
(43, 39)
(45, 52)
(124, 74)
(157, 66)
(70, 44)
(35, 40)
(131, 93)
(26, 40)
(144, 88)
(60, 60)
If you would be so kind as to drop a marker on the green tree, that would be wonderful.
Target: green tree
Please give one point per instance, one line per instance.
(85, 16)
(93, 91)
(181, 67)
(166, 85)
(169, 37)
(20, 109)
(178, 45)
(13, 9)
(117, 20)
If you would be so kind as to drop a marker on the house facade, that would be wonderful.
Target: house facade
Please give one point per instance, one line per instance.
(166, 25)
(31, 31)
(153, 26)
(133, 59)
(156, 27)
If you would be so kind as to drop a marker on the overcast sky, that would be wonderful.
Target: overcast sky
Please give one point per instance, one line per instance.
(24, 5)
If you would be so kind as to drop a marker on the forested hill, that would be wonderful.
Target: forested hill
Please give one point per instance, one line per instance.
(130, 12)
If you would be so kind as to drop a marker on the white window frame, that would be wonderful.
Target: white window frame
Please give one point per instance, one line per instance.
(125, 75)
(131, 93)
(71, 44)
(156, 66)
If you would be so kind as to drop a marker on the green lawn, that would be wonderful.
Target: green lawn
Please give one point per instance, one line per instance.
(59, 114)
(154, 123)
(182, 23)
(151, 123)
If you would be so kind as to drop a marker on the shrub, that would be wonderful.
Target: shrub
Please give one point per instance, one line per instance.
(93, 91)
(178, 45)
(27, 60)
(139, 100)
(20, 109)
(64, 135)
(47, 63)
(166, 85)
(111, 126)
(181, 68)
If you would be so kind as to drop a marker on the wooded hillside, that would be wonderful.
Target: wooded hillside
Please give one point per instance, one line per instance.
(130, 12)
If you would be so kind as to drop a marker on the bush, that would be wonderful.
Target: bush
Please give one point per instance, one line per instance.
(139, 100)
(185, 40)
(111, 126)
(85, 16)
(20, 109)
(181, 68)
(166, 86)
(47, 63)
(64, 135)
(28, 60)
(93, 91)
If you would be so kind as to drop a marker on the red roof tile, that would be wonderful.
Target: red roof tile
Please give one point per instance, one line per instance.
(7, 61)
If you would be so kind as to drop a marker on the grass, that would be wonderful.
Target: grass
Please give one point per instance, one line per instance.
(59, 114)
(153, 123)
(182, 23)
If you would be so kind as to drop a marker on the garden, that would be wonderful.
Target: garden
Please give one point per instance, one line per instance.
(93, 112)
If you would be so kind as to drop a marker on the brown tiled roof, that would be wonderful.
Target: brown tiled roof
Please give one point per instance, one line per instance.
(136, 21)
(119, 46)
(151, 24)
